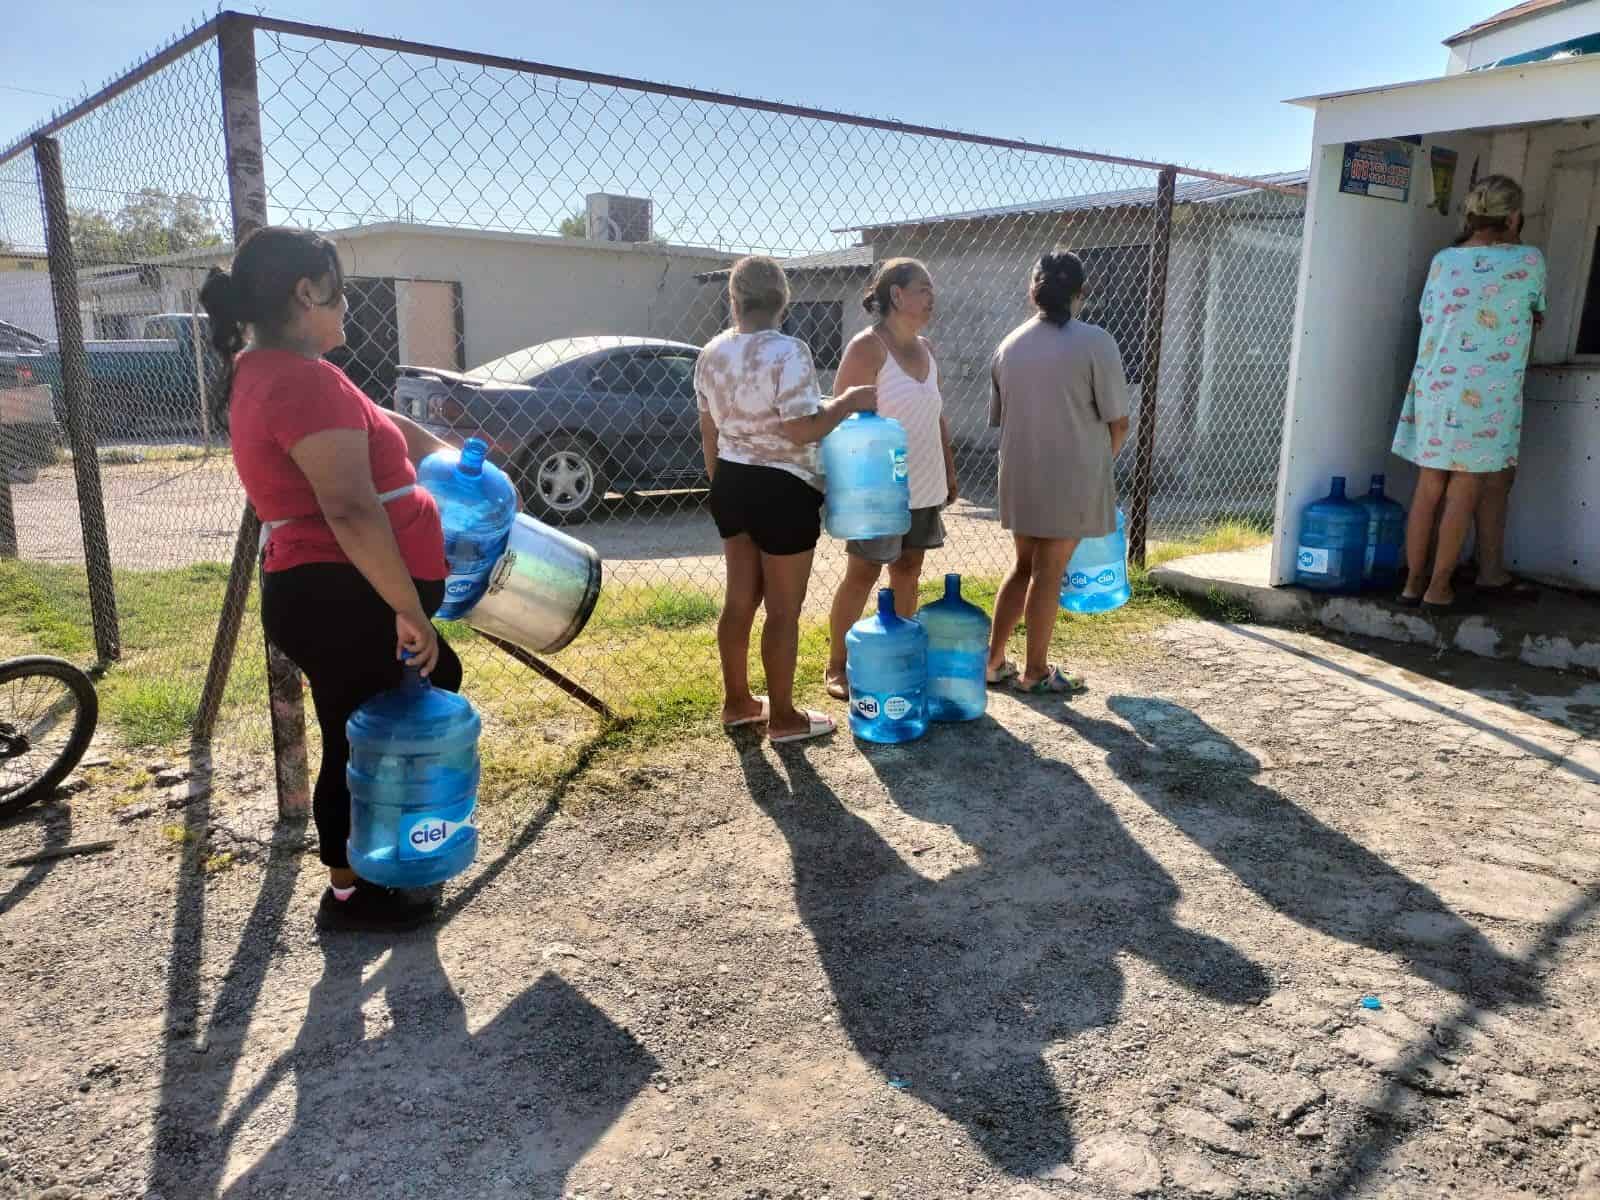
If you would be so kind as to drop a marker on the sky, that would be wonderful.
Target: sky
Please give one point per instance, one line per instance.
(1196, 84)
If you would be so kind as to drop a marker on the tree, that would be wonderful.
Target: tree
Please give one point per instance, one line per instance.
(575, 226)
(151, 224)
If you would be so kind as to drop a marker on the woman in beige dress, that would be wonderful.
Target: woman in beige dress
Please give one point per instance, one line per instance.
(1060, 398)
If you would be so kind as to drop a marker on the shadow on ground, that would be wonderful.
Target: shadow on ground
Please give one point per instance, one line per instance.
(508, 1109)
(56, 821)
(1204, 783)
(954, 988)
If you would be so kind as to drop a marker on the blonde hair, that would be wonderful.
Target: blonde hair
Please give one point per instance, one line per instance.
(1494, 198)
(1489, 206)
(757, 286)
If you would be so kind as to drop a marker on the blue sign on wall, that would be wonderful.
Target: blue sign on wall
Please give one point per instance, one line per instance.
(1380, 169)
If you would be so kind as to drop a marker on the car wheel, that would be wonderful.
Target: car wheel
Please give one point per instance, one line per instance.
(562, 481)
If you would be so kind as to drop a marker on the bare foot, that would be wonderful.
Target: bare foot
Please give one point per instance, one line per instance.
(1439, 596)
(836, 683)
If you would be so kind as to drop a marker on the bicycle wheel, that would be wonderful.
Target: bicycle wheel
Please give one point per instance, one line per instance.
(48, 710)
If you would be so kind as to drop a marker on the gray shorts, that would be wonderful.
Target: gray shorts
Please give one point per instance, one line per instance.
(926, 533)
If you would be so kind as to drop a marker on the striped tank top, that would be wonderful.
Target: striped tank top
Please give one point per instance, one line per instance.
(917, 406)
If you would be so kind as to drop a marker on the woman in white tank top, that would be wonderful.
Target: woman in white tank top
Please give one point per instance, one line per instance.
(894, 356)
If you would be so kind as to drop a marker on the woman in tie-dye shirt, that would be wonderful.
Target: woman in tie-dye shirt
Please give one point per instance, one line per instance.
(1462, 419)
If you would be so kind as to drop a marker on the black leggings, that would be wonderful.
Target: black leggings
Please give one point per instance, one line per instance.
(340, 633)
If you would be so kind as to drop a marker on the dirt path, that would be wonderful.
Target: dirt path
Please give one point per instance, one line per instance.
(1116, 947)
(173, 514)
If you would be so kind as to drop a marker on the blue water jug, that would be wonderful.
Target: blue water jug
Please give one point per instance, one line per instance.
(413, 779)
(477, 505)
(958, 655)
(1096, 580)
(886, 663)
(1333, 543)
(868, 487)
(1384, 563)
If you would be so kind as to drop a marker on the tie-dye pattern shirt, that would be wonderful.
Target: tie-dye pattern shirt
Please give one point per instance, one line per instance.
(751, 383)
(1463, 407)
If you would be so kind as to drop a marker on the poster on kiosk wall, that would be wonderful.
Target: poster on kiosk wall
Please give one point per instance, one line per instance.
(1378, 169)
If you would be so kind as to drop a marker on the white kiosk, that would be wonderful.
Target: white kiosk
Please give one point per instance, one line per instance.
(1390, 167)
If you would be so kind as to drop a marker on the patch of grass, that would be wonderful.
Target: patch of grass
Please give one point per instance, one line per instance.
(177, 835)
(215, 864)
(167, 619)
(47, 608)
(154, 712)
(1222, 538)
(133, 455)
(1230, 610)
(655, 606)
(649, 651)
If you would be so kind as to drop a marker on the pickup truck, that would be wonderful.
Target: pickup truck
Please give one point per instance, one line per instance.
(150, 386)
(27, 418)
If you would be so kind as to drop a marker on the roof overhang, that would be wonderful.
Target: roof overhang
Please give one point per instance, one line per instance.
(1562, 90)
(1514, 15)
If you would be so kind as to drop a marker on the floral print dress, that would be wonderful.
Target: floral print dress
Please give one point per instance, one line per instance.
(1463, 408)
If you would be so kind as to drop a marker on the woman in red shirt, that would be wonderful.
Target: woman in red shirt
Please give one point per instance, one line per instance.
(352, 551)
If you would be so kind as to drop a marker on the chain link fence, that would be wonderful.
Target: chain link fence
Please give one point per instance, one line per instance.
(534, 256)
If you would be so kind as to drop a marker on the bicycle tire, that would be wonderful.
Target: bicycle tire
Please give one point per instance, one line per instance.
(86, 716)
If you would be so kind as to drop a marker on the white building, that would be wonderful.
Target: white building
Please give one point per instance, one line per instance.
(1536, 118)
(1528, 32)
(439, 296)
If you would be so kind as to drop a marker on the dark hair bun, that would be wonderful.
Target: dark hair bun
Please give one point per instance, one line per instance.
(1058, 277)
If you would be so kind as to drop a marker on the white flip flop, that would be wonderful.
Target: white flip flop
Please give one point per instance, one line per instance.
(758, 719)
(820, 726)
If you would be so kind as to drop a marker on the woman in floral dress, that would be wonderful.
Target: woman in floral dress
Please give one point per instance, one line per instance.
(1462, 419)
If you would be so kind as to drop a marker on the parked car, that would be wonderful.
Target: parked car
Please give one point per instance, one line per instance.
(27, 420)
(151, 385)
(572, 419)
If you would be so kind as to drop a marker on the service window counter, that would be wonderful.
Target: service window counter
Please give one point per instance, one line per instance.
(1390, 170)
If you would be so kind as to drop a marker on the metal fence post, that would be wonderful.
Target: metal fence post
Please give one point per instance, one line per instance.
(75, 399)
(1144, 463)
(8, 515)
(247, 194)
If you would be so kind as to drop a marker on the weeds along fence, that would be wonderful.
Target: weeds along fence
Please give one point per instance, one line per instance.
(534, 255)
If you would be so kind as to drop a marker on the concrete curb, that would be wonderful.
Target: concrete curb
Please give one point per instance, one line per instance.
(1560, 630)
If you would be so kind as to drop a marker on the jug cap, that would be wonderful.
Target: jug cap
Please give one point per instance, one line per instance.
(886, 605)
(952, 585)
(472, 455)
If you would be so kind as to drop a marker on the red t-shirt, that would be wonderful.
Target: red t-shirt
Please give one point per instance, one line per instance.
(278, 399)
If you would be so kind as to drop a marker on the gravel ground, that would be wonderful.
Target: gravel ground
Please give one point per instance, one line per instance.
(1096, 949)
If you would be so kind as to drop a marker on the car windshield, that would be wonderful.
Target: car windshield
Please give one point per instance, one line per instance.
(520, 366)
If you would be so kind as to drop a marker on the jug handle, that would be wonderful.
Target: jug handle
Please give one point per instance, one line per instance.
(411, 679)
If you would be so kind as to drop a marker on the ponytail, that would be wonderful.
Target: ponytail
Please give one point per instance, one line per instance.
(1058, 277)
(269, 265)
(878, 299)
(220, 297)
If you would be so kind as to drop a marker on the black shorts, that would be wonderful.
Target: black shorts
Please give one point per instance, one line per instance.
(781, 512)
